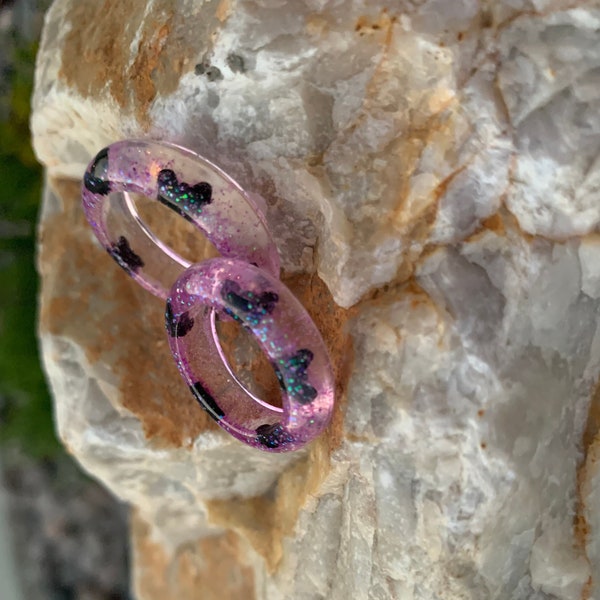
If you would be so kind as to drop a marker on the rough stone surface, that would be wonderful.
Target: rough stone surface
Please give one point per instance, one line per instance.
(432, 174)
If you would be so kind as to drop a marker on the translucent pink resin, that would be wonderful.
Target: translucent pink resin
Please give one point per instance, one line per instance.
(191, 186)
(284, 331)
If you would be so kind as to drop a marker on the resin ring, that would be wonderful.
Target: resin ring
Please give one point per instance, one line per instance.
(267, 309)
(193, 187)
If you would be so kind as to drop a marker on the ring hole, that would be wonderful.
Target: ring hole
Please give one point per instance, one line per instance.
(248, 364)
(168, 229)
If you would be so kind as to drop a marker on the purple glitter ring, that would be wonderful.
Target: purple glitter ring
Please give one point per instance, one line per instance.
(267, 309)
(193, 187)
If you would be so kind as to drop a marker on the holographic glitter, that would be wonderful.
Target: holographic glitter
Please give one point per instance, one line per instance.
(292, 377)
(285, 333)
(125, 256)
(246, 306)
(272, 436)
(186, 200)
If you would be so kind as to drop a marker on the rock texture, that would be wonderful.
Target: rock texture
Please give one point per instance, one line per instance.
(432, 174)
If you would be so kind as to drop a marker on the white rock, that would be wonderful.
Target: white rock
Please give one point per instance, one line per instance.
(438, 161)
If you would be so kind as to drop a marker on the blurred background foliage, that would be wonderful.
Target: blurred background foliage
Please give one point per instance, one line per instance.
(25, 406)
(62, 536)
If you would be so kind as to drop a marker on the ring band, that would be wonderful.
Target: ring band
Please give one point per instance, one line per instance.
(190, 185)
(267, 309)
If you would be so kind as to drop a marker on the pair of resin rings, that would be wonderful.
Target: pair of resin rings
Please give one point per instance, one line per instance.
(243, 285)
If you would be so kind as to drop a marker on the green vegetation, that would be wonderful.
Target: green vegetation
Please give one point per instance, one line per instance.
(25, 405)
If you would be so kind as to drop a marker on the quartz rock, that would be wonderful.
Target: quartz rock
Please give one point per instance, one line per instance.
(431, 171)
